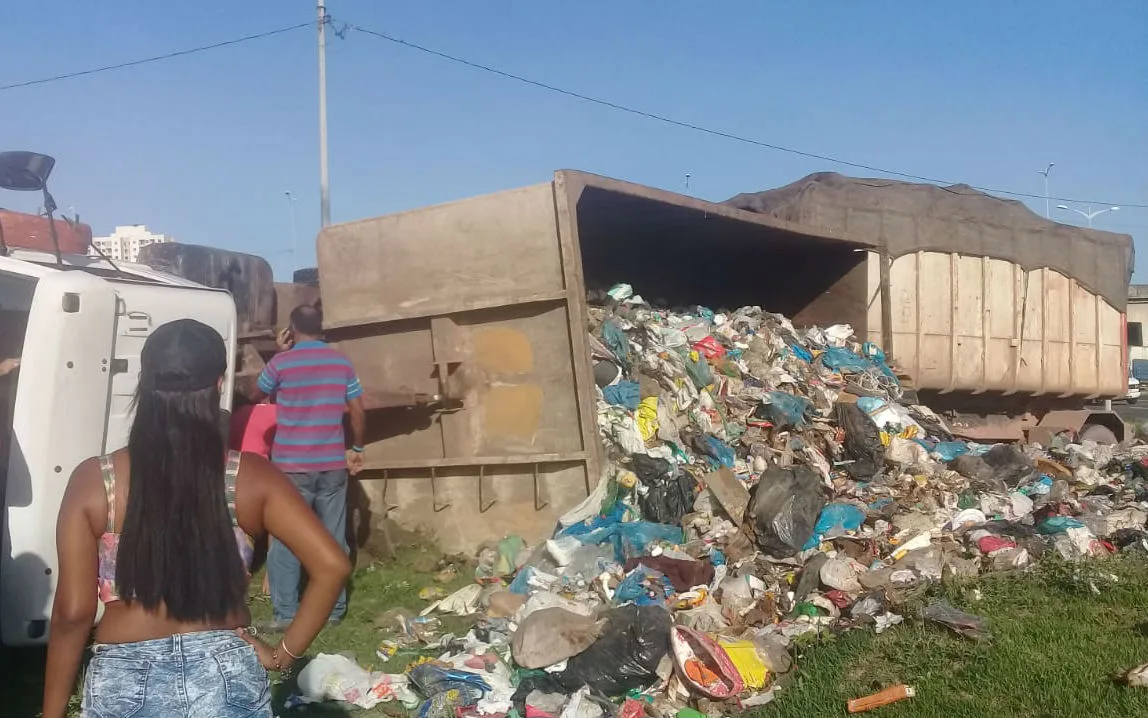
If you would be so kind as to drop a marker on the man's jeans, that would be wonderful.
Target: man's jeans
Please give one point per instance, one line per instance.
(326, 493)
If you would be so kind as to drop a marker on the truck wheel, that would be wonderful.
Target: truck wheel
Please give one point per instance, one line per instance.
(1098, 433)
(1132, 402)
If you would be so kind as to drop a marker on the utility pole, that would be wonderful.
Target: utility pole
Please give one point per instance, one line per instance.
(324, 179)
(1045, 171)
(294, 240)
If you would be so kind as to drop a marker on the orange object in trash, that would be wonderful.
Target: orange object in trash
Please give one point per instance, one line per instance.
(891, 694)
(701, 674)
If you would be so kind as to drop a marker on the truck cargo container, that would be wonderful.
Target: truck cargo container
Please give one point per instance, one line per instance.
(483, 302)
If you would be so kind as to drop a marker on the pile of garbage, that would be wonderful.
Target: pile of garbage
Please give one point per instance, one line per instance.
(763, 484)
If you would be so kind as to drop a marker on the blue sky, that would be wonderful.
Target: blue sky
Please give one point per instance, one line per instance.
(204, 147)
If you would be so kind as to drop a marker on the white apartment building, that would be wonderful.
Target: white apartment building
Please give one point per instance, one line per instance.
(125, 243)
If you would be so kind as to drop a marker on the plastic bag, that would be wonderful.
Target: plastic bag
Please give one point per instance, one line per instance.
(529, 580)
(1011, 465)
(626, 657)
(463, 602)
(647, 417)
(592, 504)
(841, 359)
(950, 450)
(743, 655)
(834, 520)
(552, 635)
(631, 539)
(784, 509)
(706, 445)
(621, 292)
(704, 665)
(1058, 525)
(710, 348)
(699, 370)
(589, 561)
(785, 409)
(619, 345)
(626, 394)
(862, 443)
(338, 678)
(643, 587)
(966, 624)
(583, 705)
(669, 492)
(446, 690)
(888, 414)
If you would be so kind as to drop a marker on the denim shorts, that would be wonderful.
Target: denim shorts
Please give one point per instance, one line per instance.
(210, 674)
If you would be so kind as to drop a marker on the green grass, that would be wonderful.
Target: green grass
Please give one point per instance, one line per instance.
(375, 589)
(379, 588)
(1055, 650)
(1056, 647)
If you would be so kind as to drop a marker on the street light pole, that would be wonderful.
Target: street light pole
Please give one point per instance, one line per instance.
(1088, 214)
(1045, 171)
(324, 180)
(294, 241)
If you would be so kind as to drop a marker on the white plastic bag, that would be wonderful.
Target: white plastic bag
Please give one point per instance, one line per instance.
(338, 678)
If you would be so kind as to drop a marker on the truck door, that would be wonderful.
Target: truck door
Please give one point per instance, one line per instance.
(59, 420)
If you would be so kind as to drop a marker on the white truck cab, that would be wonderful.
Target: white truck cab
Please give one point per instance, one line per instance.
(78, 325)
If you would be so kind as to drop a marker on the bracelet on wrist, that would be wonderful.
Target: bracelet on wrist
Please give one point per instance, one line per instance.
(283, 645)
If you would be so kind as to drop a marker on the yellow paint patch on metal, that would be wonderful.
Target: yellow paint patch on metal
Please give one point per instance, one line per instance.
(512, 411)
(500, 350)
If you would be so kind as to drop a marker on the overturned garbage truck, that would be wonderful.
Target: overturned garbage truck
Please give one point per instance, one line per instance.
(1009, 322)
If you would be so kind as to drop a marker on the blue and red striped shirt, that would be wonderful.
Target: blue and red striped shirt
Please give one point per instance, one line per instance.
(312, 384)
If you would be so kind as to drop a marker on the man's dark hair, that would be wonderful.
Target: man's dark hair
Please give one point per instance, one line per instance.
(177, 548)
(307, 320)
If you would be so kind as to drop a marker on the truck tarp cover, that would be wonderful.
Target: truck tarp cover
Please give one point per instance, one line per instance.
(247, 277)
(906, 218)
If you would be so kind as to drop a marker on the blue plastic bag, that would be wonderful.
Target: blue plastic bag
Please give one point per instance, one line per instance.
(631, 539)
(839, 358)
(446, 690)
(801, 353)
(950, 450)
(615, 339)
(719, 451)
(609, 518)
(625, 393)
(835, 517)
(643, 587)
(1057, 525)
(785, 409)
(521, 583)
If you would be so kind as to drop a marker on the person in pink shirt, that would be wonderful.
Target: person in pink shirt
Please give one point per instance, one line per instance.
(253, 429)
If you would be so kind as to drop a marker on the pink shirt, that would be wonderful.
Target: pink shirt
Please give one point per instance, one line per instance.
(253, 429)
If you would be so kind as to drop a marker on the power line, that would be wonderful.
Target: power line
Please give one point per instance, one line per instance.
(156, 58)
(706, 130)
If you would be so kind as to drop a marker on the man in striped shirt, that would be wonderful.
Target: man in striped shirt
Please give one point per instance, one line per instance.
(313, 385)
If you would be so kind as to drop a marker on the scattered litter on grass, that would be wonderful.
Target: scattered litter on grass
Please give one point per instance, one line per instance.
(762, 486)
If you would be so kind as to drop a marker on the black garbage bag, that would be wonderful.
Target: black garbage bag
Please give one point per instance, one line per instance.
(784, 509)
(862, 442)
(670, 490)
(626, 657)
(1004, 466)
